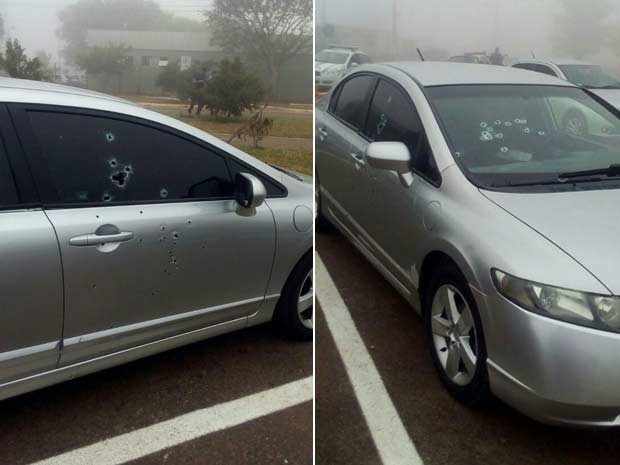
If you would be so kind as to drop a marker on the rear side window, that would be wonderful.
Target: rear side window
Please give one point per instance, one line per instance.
(352, 99)
(393, 118)
(526, 66)
(545, 70)
(92, 159)
(8, 192)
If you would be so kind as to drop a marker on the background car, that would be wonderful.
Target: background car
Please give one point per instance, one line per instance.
(457, 182)
(126, 232)
(332, 63)
(593, 77)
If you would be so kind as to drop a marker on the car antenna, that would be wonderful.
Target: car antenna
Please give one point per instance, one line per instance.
(420, 53)
(533, 55)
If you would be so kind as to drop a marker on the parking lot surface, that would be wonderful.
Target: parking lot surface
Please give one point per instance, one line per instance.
(442, 430)
(236, 372)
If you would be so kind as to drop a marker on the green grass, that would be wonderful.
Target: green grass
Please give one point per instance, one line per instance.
(295, 160)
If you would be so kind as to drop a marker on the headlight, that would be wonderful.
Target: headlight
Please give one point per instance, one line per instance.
(593, 310)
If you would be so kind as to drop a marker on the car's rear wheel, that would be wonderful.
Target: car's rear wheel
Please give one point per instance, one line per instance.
(294, 313)
(455, 336)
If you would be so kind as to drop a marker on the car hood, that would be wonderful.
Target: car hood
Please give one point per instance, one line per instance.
(611, 95)
(585, 224)
(328, 67)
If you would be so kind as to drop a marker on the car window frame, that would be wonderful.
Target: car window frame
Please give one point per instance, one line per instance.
(19, 171)
(423, 136)
(336, 96)
(41, 176)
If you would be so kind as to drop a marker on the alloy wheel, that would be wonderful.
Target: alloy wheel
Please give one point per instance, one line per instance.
(305, 301)
(454, 335)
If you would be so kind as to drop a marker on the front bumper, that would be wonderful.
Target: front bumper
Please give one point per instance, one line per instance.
(555, 372)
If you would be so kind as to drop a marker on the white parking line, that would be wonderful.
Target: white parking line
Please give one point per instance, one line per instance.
(388, 432)
(154, 438)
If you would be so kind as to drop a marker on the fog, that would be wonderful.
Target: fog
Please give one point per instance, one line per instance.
(35, 22)
(520, 28)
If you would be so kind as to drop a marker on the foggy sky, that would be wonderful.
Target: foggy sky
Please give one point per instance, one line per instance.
(518, 27)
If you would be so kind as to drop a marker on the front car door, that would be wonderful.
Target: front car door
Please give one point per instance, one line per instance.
(31, 308)
(152, 241)
(394, 212)
(341, 146)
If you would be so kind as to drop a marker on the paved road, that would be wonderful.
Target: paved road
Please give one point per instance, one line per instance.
(71, 416)
(442, 430)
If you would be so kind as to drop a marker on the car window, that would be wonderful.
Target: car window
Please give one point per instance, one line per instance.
(96, 159)
(8, 192)
(526, 66)
(505, 135)
(350, 105)
(545, 70)
(393, 118)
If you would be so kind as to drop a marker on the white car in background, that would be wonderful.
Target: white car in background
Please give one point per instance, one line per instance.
(589, 76)
(333, 62)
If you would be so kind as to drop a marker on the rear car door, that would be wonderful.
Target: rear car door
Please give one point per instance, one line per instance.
(341, 145)
(394, 211)
(30, 270)
(152, 241)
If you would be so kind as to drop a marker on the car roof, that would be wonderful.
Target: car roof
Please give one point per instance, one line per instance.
(428, 74)
(554, 61)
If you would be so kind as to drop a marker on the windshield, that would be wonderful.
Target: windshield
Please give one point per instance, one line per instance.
(592, 77)
(326, 56)
(502, 135)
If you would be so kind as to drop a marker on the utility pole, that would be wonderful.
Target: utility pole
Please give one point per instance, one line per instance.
(394, 30)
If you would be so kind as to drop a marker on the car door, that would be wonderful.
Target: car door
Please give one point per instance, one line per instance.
(152, 241)
(30, 270)
(393, 214)
(341, 145)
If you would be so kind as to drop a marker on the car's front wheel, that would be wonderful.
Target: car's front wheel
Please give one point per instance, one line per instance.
(455, 336)
(295, 310)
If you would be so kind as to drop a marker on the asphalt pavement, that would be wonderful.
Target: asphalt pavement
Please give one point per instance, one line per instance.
(442, 430)
(147, 405)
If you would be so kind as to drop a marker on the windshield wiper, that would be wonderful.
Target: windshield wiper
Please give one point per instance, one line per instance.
(612, 171)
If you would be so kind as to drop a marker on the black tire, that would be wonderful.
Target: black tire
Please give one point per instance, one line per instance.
(575, 122)
(286, 316)
(476, 391)
(322, 224)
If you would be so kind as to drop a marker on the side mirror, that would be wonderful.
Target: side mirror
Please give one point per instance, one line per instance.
(250, 192)
(353, 64)
(391, 156)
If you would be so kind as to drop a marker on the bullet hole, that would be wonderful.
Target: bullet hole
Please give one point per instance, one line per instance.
(106, 197)
(173, 260)
(110, 137)
(163, 227)
(113, 162)
(128, 169)
(163, 193)
(97, 216)
(175, 235)
(141, 212)
(140, 240)
(119, 179)
(189, 221)
(94, 286)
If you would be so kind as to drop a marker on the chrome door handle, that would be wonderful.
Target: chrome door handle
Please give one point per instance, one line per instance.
(359, 158)
(96, 239)
(322, 133)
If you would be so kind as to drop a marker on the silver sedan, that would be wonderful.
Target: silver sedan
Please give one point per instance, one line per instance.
(126, 232)
(460, 185)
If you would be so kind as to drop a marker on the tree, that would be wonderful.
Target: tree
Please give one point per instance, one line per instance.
(266, 32)
(233, 89)
(107, 62)
(77, 18)
(15, 61)
(582, 28)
